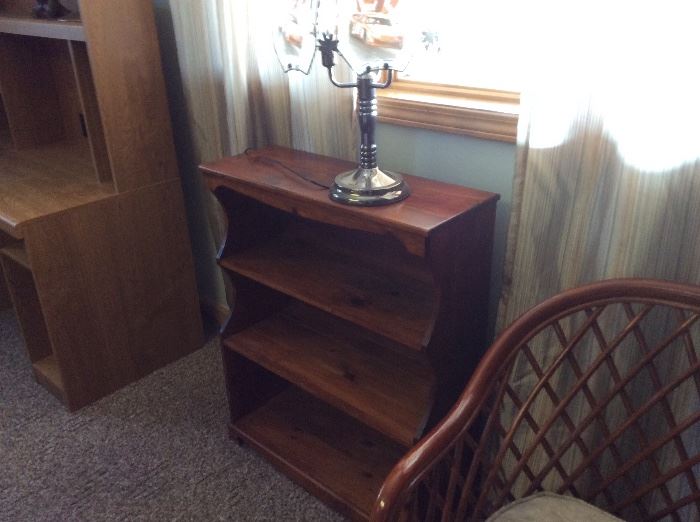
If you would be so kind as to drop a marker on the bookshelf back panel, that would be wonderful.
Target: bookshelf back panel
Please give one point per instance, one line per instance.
(40, 93)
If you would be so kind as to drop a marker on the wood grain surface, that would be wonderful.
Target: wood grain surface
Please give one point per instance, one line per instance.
(90, 110)
(130, 91)
(116, 285)
(260, 176)
(27, 307)
(337, 458)
(356, 290)
(335, 362)
(380, 313)
(89, 181)
(29, 91)
(48, 373)
(42, 181)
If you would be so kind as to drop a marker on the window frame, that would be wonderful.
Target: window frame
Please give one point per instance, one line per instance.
(483, 113)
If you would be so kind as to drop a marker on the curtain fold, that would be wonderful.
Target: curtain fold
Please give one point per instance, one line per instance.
(608, 177)
(238, 96)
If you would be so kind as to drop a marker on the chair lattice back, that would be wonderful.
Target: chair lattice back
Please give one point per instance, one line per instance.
(595, 394)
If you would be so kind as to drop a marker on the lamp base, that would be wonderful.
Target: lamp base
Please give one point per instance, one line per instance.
(369, 188)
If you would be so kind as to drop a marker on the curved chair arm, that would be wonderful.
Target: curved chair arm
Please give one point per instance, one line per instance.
(419, 461)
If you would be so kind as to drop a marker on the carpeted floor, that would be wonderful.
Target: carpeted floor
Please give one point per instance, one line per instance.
(156, 450)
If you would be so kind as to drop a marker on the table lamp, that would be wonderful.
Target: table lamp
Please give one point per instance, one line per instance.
(374, 38)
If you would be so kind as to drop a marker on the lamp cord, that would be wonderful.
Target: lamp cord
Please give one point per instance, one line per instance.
(270, 161)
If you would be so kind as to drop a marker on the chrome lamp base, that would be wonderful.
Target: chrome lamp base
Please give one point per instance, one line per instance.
(369, 187)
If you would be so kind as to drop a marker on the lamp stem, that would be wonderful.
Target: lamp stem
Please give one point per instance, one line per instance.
(367, 116)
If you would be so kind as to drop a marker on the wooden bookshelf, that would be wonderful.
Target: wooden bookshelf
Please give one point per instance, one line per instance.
(94, 244)
(352, 329)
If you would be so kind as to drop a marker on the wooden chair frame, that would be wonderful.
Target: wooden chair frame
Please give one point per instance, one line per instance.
(471, 464)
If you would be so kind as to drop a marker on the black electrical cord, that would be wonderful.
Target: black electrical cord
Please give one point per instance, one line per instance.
(270, 161)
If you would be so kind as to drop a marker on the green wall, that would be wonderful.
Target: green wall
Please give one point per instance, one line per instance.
(482, 164)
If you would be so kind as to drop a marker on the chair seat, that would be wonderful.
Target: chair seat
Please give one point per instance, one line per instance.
(546, 507)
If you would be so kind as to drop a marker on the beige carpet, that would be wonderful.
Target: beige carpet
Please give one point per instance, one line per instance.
(156, 450)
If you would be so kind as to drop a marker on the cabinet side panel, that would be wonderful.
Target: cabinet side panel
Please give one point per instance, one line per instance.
(115, 280)
(127, 71)
(460, 256)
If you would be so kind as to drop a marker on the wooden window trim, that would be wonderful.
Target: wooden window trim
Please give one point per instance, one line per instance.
(483, 113)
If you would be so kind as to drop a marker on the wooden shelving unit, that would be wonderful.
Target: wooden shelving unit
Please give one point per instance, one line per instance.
(353, 329)
(93, 239)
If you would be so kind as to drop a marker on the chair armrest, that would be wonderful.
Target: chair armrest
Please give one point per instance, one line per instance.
(422, 458)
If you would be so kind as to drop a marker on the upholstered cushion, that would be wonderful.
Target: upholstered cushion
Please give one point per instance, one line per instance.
(546, 507)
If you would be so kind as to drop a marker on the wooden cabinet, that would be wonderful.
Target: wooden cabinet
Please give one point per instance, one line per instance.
(352, 329)
(93, 237)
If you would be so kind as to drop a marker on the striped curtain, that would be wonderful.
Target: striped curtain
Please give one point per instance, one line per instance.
(238, 97)
(608, 176)
(237, 94)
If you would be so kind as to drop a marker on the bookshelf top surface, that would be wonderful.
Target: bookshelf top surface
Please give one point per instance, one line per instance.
(265, 174)
(41, 181)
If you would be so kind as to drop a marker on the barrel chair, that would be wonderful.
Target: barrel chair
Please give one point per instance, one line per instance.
(586, 408)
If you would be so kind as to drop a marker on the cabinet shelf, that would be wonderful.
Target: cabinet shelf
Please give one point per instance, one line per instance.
(334, 456)
(58, 29)
(45, 180)
(350, 287)
(334, 361)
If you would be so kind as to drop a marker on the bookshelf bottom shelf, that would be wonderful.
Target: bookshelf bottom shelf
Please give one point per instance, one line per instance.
(332, 455)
